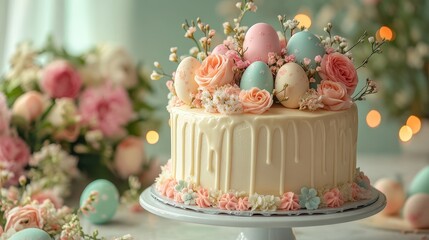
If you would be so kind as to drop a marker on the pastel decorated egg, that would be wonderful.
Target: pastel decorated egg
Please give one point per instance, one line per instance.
(416, 210)
(184, 82)
(291, 84)
(106, 204)
(420, 183)
(31, 233)
(395, 195)
(260, 40)
(220, 49)
(305, 45)
(259, 75)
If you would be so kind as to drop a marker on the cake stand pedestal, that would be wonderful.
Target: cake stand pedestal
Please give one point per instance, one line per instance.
(259, 227)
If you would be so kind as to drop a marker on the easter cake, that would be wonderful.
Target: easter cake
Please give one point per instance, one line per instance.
(261, 123)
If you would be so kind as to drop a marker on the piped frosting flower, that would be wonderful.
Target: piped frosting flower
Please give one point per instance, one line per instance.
(309, 198)
(289, 202)
(333, 198)
(243, 204)
(228, 201)
(264, 202)
(203, 198)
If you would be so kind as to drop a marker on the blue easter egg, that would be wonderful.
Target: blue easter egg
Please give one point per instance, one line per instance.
(420, 183)
(259, 75)
(305, 45)
(31, 234)
(107, 201)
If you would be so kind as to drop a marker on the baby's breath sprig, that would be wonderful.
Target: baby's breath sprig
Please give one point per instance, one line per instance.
(369, 88)
(288, 24)
(132, 195)
(360, 40)
(375, 48)
(159, 72)
(204, 43)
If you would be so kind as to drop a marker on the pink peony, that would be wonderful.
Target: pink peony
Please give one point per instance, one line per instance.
(60, 79)
(4, 116)
(19, 218)
(228, 201)
(333, 198)
(129, 157)
(14, 155)
(215, 71)
(29, 106)
(255, 100)
(289, 202)
(44, 195)
(243, 204)
(203, 198)
(334, 95)
(339, 68)
(106, 108)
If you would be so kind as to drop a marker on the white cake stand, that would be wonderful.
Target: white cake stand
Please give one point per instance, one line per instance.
(259, 227)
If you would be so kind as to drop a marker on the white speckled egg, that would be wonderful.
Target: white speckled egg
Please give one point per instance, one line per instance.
(260, 40)
(416, 210)
(107, 201)
(259, 75)
(395, 195)
(291, 83)
(305, 45)
(184, 82)
(31, 233)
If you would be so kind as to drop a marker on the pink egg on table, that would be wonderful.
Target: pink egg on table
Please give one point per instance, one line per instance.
(416, 210)
(395, 195)
(260, 40)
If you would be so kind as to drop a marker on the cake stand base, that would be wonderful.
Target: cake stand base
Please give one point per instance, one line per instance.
(259, 227)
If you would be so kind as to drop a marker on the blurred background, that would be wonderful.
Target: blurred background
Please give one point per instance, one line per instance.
(394, 121)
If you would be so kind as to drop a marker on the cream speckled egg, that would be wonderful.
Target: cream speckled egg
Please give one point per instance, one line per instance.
(31, 233)
(291, 83)
(184, 82)
(416, 210)
(260, 40)
(395, 195)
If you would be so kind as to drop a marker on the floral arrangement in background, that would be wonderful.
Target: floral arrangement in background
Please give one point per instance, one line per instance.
(64, 116)
(257, 67)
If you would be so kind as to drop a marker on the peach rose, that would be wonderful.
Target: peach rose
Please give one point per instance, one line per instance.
(129, 157)
(339, 68)
(19, 218)
(29, 105)
(255, 100)
(60, 79)
(215, 71)
(44, 195)
(334, 95)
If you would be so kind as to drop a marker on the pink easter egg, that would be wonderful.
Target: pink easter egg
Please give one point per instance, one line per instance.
(220, 49)
(260, 40)
(416, 210)
(395, 195)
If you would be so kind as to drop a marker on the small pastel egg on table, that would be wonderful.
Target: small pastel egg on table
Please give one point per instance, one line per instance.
(420, 183)
(291, 84)
(184, 82)
(106, 204)
(305, 45)
(260, 40)
(31, 233)
(416, 211)
(395, 195)
(259, 75)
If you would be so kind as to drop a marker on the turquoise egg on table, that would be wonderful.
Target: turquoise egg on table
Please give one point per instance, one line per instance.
(305, 45)
(31, 234)
(420, 183)
(259, 75)
(107, 201)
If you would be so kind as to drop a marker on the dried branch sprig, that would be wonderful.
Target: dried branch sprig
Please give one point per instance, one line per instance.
(369, 88)
(375, 48)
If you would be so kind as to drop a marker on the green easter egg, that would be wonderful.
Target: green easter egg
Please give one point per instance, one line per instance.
(420, 183)
(259, 75)
(304, 44)
(107, 202)
(31, 234)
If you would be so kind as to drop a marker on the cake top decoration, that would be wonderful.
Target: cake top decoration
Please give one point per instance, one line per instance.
(254, 68)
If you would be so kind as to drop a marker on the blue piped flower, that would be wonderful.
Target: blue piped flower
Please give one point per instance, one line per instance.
(180, 186)
(309, 198)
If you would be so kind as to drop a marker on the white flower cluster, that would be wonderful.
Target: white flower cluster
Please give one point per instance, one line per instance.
(221, 101)
(264, 202)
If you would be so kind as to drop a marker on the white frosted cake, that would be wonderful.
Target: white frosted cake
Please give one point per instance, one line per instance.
(263, 122)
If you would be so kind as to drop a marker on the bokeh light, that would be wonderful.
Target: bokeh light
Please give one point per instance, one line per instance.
(373, 118)
(385, 33)
(304, 20)
(414, 123)
(152, 137)
(405, 133)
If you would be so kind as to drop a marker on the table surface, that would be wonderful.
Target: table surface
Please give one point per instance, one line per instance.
(147, 226)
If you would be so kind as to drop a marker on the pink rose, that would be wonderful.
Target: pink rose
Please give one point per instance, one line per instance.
(44, 195)
(289, 202)
(228, 201)
(215, 71)
(60, 79)
(4, 116)
(339, 68)
(19, 218)
(203, 198)
(333, 198)
(14, 155)
(129, 157)
(29, 105)
(255, 100)
(106, 108)
(334, 95)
